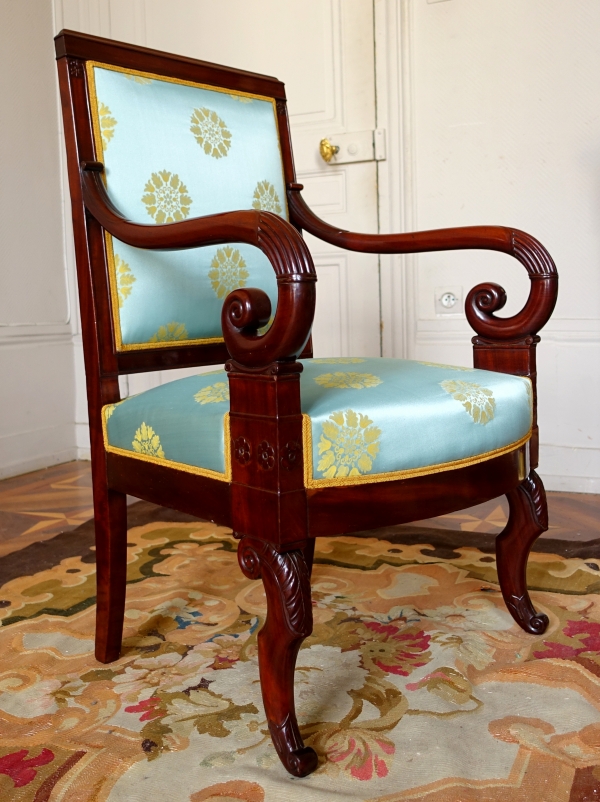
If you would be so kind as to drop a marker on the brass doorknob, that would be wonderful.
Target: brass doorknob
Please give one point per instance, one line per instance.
(327, 150)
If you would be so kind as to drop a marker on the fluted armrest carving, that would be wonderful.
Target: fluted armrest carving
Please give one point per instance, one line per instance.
(244, 311)
(484, 299)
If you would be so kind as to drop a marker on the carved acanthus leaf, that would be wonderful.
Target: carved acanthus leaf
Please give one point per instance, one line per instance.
(534, 489)
(291, 579)
(75, 68)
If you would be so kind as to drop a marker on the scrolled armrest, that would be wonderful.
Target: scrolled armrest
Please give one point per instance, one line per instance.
(485, 299)
(277, 239)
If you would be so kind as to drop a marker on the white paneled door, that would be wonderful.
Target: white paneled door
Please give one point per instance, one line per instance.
(323, 50)
(324, 53)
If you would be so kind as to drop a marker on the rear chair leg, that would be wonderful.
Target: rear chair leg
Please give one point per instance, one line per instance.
(286, 579)
(527, 519)
(110, 513)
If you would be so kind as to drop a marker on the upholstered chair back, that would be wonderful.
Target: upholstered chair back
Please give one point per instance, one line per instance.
(171, 150)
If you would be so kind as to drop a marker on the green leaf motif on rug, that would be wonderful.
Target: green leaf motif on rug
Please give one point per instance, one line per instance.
(403, 641)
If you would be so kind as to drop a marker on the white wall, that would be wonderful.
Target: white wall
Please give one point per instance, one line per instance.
(493, 115)
(500, 124)
(36, 353)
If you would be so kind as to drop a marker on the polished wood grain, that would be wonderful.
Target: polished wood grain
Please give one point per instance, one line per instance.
(59, 498)
(286, 578)
(266, 502)
(528, 518)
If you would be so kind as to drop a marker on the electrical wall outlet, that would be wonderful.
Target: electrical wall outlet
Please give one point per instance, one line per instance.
(448, 300)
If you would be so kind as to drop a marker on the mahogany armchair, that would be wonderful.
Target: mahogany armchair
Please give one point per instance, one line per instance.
(187, 222)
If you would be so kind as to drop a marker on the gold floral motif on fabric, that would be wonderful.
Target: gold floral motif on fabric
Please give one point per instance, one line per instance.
(266, 198)
(125, 279)
(107, 124)
(228, 271)
(478, 401)
(138, 79)
(348, 380)
(166, 197)
(529, 389)
(339, 360)
(348, 445)
(110, 408)
(210, 132)
(242, 98)
(213, 394)
(172, 332)
(446, 367)
(146, 441)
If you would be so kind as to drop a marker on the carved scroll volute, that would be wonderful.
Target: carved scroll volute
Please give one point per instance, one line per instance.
(290, 576)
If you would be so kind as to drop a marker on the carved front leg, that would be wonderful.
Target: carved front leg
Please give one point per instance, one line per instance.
(528, 518)
(289, 621)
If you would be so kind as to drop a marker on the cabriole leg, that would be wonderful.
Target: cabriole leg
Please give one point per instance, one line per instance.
(527, 519)
(110, 513)
(289, 621)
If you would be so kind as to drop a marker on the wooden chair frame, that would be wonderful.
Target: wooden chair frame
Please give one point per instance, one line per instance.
(266, 504)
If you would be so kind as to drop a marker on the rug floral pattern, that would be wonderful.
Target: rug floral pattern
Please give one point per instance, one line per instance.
(416, 683)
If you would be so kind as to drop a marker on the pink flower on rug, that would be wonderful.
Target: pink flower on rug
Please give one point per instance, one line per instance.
(586, 635)
(395, 649)
(360, 753)
(22, 771)
(148, 708)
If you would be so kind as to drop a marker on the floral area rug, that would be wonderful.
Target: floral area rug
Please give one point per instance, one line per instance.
(415, 685)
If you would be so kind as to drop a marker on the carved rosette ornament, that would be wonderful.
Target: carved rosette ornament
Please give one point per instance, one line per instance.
(242, 452)
(75, 68)
(534, 490)
(292, 456)
(266, 456)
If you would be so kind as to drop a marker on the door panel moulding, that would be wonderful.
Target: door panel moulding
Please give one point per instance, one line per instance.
(397, 200)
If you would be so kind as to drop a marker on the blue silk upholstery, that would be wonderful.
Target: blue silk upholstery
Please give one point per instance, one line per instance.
(171, 151)
(366, 419)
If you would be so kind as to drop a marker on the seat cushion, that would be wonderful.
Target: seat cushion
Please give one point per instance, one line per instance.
(364, 420)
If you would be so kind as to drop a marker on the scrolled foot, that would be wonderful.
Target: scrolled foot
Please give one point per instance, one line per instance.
(522, 610)
(298, 759)
(302, 762)
(538, 624)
